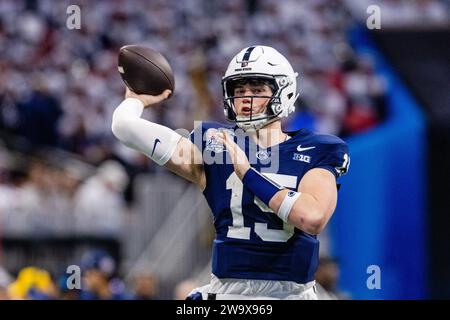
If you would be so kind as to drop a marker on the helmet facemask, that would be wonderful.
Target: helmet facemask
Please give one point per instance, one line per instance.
(252, 121)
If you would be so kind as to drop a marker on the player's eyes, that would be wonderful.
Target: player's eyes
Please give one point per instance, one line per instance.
(255, 91)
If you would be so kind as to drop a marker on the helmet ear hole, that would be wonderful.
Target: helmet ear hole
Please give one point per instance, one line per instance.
(283, 81)
(278, 108)
(290, 95)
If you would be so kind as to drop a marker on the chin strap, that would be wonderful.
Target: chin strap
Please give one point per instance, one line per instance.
(256, 124)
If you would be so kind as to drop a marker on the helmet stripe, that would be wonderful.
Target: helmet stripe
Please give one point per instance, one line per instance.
(247, 54)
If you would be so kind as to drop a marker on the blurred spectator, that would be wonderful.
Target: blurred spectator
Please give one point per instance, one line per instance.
(183, 288)
(35, 194)
(5, 281)
(98, 268)
(99, 203)
(66, 293)
(145, 287)
(32, 283)
(327, 276)
(39, 115)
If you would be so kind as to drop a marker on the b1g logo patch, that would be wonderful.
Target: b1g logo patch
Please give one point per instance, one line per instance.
(301, 157)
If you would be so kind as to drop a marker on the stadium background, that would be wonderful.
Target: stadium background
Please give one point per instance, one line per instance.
(70, 194)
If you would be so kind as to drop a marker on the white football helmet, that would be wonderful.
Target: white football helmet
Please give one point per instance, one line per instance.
(267, 64)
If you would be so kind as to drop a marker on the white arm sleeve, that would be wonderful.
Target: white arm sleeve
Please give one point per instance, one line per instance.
(156, 141)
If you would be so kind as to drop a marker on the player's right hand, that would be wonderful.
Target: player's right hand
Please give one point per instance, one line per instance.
(237, 155)
(147, 99)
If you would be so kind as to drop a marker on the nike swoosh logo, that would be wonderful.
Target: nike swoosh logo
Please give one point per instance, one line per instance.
(154, 146)
(300, 149)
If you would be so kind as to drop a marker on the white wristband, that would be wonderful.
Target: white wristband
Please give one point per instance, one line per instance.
(156, 141)
(287, 204)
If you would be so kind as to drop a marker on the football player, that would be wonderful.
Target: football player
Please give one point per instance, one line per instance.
(266, 216)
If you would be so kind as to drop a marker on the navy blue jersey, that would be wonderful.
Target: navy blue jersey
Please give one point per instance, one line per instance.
(251, 241)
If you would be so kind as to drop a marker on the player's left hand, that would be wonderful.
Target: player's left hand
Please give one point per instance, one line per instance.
(237, 155)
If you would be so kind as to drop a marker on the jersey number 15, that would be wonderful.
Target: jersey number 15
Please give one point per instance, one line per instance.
(238, 230)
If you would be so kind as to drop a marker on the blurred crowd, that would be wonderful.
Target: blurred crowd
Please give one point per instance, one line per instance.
(60, 86)
(95, 277)
(98, 277)
(405, 13)
(43, 199)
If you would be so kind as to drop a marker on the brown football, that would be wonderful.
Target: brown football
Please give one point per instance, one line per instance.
(144, 70)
